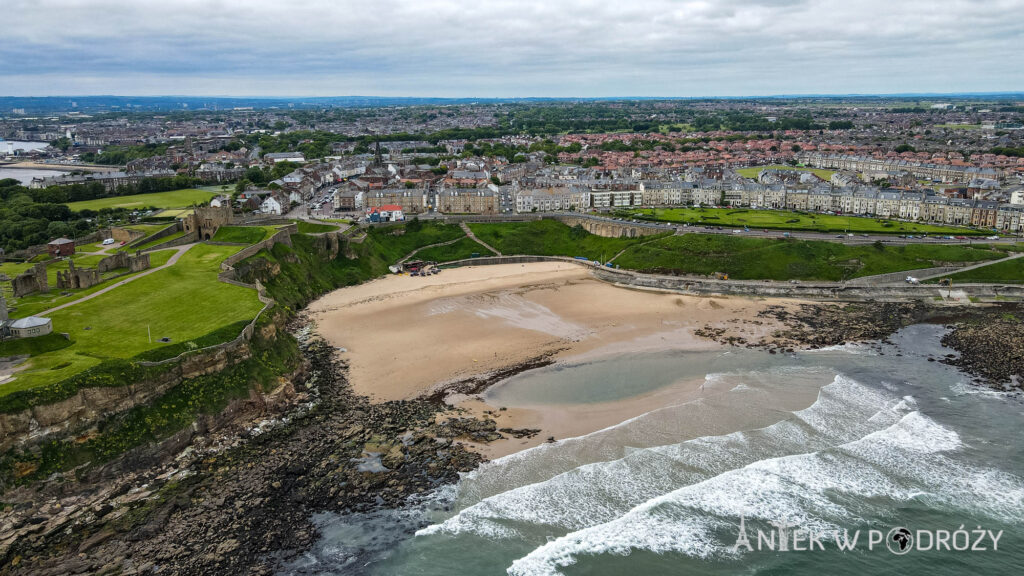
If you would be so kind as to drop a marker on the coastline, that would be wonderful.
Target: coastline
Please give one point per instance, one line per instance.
(335, 448)
(450, 337)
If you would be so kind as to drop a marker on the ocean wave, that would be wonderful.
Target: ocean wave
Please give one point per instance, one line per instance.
(601, 491)
(908, 460)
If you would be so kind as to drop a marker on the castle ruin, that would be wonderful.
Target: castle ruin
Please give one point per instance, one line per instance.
(31, 281)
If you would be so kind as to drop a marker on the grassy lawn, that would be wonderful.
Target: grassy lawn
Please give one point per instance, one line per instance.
(460, 250)
(790, 220)
(146, 229)
(174, 213)
(33, 346)
(313, 227)
(171, 199)
(773, 259)
(1009, 272)
(243, 234)
(182, 302)
(753, 171)
(549, 238)
(38, 302)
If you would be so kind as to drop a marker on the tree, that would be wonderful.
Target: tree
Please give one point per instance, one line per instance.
(905, 148)
(495, 180)
(242, 186)
(795, 148)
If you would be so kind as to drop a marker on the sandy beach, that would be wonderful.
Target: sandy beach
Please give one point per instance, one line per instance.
(406, 336)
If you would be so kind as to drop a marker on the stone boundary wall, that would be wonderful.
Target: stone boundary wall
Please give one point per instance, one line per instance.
(773, 289)
(126, 235)
(282, 236)
(180, 241)
(162, 233)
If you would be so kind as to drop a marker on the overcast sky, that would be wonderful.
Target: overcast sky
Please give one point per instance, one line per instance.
(505, 48)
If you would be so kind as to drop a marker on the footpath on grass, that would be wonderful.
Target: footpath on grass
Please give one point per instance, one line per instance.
(179, 250)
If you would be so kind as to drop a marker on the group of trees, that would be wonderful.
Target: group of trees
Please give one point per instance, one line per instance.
(25, 222)
(744, 122)
(1008, 151)
(120, 155)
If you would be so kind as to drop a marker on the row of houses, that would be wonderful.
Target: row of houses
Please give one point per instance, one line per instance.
(110, 180)
(880, 167)
(861, 201)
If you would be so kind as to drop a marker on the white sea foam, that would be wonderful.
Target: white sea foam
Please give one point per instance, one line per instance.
(599, 492)
(911, 459)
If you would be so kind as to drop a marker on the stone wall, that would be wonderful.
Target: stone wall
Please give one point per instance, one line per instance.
(205, 220)
(31, 281)
(125, 234)
(162, 233)
(774, 289)
(282, 236)
(77, 278)
(134, 263)
(611, 228)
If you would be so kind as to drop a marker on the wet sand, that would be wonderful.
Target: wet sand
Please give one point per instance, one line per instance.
(409, 336)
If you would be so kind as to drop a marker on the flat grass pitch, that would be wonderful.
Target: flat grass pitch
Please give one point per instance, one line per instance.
(753, 171)
(181, 302)
(172, 199)
(789, 220)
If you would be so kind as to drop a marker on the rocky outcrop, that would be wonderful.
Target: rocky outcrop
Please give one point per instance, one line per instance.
(993, 350)
(240, 501)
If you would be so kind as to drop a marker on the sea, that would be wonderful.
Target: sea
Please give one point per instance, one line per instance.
(878, 456)
(24, 175)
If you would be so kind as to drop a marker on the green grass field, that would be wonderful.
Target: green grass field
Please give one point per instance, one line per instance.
(38, 302)
(773, 259)
(173, 213)
(789, 220)
(182, 302)
(464, 248)
(1009, 272)
(549, 238)
(171, 199)
(753, 171)
(243, 234)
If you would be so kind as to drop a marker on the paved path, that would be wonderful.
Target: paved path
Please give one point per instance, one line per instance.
(465, 228)
(179, 250)
(414, 252)
(973, 267)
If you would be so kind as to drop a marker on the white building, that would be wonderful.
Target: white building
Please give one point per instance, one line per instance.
(272, 205)
(31, 327)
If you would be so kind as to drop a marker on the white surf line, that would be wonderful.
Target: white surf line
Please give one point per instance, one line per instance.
(521, 503)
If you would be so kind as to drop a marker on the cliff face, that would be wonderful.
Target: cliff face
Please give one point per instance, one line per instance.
(90, 405)
(145, 416)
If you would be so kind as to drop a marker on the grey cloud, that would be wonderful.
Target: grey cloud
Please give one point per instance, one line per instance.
(510, 47)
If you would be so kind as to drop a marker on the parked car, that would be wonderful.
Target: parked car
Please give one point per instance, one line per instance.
(108, 241)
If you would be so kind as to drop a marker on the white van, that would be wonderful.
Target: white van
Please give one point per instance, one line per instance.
(108, 241)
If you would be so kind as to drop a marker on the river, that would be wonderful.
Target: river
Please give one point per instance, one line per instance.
(827, 443)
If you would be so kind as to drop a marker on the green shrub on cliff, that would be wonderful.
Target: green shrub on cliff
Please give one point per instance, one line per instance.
(157, 420)
(294, 275)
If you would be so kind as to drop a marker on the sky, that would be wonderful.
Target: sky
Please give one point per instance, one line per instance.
(509, 48)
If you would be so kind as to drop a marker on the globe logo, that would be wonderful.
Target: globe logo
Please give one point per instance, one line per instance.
(899, 540)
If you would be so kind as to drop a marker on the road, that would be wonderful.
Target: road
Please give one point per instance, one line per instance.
(179, 250)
